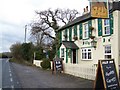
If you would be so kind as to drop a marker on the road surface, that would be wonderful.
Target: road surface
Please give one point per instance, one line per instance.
(9, 78)
(21, 76)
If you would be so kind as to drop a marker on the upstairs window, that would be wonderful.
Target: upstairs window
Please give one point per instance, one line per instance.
(106, 27)
(86, 31)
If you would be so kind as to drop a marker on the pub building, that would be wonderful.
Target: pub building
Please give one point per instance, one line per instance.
(88, 38)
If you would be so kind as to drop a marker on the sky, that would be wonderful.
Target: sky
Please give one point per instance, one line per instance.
(15, 14)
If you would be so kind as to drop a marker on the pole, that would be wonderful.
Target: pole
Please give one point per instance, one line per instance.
(25, 32)
(34, 55)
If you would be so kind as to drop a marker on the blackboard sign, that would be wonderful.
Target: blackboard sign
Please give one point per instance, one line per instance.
(57, 65)
(106, 76)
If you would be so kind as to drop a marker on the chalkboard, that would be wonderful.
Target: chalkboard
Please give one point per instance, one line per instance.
(110, 74)
(106, 76)
(57, 65)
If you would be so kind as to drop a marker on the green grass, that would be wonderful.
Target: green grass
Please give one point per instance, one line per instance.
(24, 62)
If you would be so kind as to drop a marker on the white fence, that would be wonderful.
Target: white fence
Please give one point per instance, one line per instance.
(80, 70)
(83, 71)
(37, 62)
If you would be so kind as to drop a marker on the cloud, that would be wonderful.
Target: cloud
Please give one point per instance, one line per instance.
(15, 14)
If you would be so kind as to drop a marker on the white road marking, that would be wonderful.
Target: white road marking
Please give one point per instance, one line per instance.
(12, 86)
(6, 61)
(9, 71)
(10, 75)
(11, 79)
(17, 82)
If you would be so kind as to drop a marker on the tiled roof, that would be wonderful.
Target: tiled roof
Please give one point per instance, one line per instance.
(70, 45)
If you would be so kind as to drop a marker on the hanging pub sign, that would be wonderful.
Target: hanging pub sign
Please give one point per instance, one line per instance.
(106, 76)
(99, 8)
(57, 65)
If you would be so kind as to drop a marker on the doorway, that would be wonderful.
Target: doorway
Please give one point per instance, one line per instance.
(74, 56)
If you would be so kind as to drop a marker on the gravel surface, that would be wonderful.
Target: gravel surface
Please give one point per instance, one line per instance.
(33, 77)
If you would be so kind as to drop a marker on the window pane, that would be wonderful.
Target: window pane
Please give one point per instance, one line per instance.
(107, 56)
(107, 26)
(86, 33)
(62, 52)
(89, 55)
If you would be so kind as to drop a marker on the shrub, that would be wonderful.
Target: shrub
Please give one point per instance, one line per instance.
(45, 64)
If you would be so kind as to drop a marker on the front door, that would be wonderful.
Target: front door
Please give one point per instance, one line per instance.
(74, 55)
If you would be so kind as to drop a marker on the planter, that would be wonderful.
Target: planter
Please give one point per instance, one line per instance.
(91, 28)
(75, 38)
(92, 37)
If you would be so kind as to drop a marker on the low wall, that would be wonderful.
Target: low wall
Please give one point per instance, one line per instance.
(38, 63)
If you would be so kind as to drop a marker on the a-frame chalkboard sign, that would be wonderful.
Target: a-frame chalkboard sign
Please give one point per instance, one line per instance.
(57, 65)
(106, 76)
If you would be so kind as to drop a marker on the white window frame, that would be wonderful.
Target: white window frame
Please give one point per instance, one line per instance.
(86, 30)
(108, 52)
(106, 27)
(62, 52)
(85, 54)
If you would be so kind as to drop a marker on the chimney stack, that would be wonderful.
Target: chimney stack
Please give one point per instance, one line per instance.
(85, 10)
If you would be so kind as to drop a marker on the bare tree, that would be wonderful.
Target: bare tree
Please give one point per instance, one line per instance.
(51, 20)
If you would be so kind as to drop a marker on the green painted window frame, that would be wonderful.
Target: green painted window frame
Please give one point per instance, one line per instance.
(90, 25)
(60, 36)
(66, 55)
(111, 23)
(75, 30)
(100, 27)
(70, 34)
(66, 35)
(80, 31)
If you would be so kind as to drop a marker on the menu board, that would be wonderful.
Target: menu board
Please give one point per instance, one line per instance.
(110, 74)
(106, 76)
(57, 65)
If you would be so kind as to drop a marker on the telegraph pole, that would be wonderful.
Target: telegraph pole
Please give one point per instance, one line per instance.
(25, 32)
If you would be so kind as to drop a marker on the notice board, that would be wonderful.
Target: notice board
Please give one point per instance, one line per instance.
(106, 76)
(57, 65)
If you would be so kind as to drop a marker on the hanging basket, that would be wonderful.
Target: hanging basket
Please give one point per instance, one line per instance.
(91, 28)
(75, 38)
(92, 37)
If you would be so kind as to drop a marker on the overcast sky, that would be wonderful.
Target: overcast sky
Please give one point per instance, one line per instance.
(15, 14)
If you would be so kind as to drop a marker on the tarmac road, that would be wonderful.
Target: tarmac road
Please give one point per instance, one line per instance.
(33, 77)
(9, 78)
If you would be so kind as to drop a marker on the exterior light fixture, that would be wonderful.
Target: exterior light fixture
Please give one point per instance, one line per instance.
(93, 43)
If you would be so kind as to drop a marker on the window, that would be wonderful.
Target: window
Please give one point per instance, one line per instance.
(65, 35)
(62, 52)
(86, 54)
(86, 31)
(106, 27)
(108, 52)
